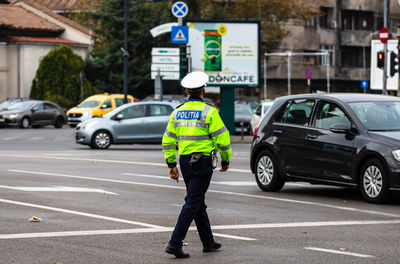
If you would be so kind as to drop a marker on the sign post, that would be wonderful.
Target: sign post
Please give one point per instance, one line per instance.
(383, 37)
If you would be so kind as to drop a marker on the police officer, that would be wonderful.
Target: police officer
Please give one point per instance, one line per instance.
(199, 130)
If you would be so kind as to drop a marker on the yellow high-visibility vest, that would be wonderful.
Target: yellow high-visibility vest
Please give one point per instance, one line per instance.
(197, 127)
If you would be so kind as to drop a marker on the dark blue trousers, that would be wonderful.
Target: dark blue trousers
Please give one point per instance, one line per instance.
(197, 179)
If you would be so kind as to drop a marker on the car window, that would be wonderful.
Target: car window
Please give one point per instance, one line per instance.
(160, 110)
(49, 106)
(297, 112)
(108, 104)
(258, 110)
(89, 104)
(119, 101)
(134, 111)
(329, 114)
(378, 116)
(39, 106)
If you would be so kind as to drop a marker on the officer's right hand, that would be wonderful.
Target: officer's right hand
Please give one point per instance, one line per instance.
(224, 168)
(174, 174)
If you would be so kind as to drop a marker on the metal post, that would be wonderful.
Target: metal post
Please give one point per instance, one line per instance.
(289, 54)
(328, 67)
(385, 17)
(125, 52)
(265, 77)
(364, 65)
(189, 58)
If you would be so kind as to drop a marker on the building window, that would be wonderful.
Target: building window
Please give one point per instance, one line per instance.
(354, 57)
(325, 20)
(323, 60)
(310, 23)
(357, 20)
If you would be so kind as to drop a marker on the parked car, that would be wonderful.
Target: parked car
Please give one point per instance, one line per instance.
(4, 105)
(253, 103)
(136, 123)
(35, 113)
(261, 110)
(174, 98)
(350, 140)
(95, 106)
(243, 116)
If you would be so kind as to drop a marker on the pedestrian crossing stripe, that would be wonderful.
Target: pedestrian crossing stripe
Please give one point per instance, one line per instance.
(180, 36)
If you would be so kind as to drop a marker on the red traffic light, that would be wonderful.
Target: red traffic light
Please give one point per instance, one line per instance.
(380, 56)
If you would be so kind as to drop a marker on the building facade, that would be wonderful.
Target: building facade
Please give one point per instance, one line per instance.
(344, 29)
(28, 31)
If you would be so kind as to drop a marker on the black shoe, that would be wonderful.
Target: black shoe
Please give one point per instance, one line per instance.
(177, 251)
(212, 248)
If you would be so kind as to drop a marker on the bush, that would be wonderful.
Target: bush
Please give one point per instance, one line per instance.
(58, 78)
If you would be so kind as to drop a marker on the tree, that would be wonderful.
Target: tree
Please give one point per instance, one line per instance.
(105, 66)
(58, 78)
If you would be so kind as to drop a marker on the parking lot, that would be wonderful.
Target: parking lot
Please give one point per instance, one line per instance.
(119, 206)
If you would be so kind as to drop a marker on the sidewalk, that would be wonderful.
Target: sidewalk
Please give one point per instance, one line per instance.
(238, 139)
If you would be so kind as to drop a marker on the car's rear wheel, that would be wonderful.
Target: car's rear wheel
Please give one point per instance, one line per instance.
(59, 122)
(101, 140)
(267, 172)
(374, 182)
(25, 122)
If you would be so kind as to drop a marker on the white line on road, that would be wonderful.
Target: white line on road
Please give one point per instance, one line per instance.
(105, 161)
(339, 252)
(351, 209)
(216, 227)
(229, 183)
(119, 220)
(57, 189)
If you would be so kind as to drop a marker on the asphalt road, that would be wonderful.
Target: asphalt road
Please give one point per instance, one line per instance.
(119, 206)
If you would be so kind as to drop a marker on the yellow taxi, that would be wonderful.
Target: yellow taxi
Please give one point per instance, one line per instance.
(95, 106)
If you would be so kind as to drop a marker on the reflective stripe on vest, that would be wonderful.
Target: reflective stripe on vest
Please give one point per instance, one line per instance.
(218, 132)
(168, 147)
(184, 137)
(170, 134)
(224, 148)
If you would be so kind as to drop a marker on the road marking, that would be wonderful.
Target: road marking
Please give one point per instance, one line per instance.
(57, 189)
(351, 209)
(8, 138)
(158, 229)
(339, 252)
(105, 161)
(229, 183)
(35, 138)
(234, 237)
(113, 219)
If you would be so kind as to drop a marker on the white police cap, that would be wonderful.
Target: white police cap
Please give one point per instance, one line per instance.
(194, 80)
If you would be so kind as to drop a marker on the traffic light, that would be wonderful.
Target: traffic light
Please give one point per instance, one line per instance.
(394, 64)
(380, 60)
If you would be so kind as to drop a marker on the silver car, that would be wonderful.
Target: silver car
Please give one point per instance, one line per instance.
(135, 123)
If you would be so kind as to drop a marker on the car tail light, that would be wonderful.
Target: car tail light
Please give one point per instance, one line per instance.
(255, 131)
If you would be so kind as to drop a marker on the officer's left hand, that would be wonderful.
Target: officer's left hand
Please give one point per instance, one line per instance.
(224, 168)
(174, 174)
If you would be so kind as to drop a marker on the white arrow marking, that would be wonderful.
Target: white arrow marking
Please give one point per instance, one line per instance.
(56, 189)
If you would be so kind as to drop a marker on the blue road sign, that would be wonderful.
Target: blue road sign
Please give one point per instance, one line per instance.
(179, 34)
(364, 84)
(179, 9)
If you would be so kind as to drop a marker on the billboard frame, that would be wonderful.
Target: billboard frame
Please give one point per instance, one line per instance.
(258, 23)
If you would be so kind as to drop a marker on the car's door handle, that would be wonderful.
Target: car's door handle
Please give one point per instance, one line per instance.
(312, 136)
(279, 132)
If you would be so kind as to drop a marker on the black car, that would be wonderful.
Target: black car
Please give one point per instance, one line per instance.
(350, 140)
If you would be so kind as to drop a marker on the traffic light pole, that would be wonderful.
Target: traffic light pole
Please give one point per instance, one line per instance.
(384, 91)
(385, 24)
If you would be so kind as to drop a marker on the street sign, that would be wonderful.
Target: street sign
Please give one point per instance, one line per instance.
(179, 34)
(179, 9)
(364, 84)
(166, 61)
(383, 35)
(165, 51)
(308, 73)
(166, 75)
(161, 29)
